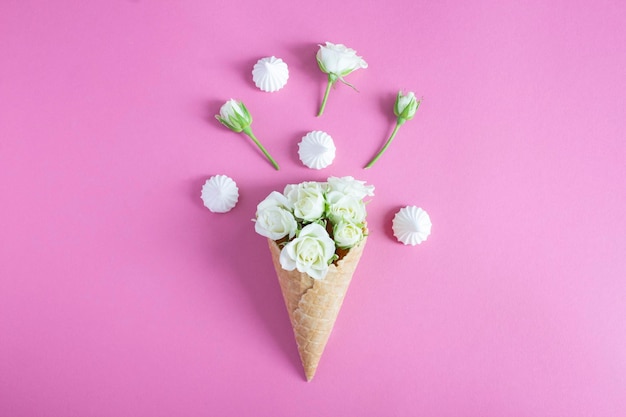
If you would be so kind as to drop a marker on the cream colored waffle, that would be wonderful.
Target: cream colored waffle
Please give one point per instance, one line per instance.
(313, 305)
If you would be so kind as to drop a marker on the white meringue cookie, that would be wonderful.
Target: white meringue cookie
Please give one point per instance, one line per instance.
(220, 193)
(270, 74)
(317, 149)
(411, 225)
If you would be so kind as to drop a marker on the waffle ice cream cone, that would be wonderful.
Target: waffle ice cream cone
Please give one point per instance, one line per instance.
(313, 305)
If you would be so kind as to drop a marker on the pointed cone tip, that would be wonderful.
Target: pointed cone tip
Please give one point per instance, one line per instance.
(309, 375)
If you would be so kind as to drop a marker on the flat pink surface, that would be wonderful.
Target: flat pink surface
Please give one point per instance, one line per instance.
(121, 295)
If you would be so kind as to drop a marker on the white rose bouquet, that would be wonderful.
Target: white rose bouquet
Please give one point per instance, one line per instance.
(316, 233)
(315, 223)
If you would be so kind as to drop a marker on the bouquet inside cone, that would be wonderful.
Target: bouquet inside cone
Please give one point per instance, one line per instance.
(316, 233)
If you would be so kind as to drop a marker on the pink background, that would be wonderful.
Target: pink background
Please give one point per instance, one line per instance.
(121, 295)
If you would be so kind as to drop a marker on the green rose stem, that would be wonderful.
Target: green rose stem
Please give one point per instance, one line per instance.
(248, 132)
(332, 79)
(399, 123)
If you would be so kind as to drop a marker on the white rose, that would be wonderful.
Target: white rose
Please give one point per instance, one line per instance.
(406, 105)
(345, 207)
(338, 59)
(347, 234)
(311, 252)
(350, 186)
(307, 199)
(234, 115)
(274, 219)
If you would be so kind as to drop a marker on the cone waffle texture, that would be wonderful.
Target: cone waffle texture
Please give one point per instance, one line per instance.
(313, 305)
